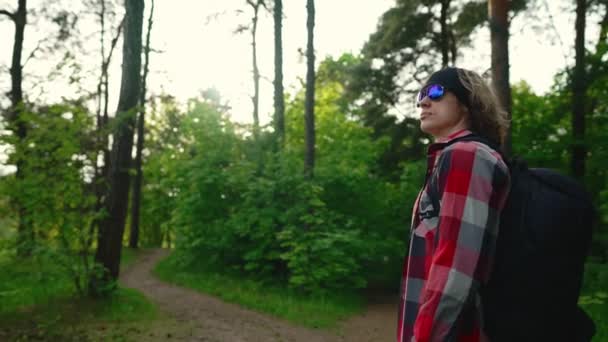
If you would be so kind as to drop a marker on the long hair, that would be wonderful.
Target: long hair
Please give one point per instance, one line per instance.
(487, 117)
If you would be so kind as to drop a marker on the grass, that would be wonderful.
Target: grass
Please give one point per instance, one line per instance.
(321, 311)
(594, 298)
(38, 301)
(37, 280)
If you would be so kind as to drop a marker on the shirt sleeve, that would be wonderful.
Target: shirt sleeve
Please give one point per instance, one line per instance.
(471, 183)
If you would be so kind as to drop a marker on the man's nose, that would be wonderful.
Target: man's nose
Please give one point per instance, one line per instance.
(424, 103)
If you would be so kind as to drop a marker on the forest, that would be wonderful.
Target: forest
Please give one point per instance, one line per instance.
(128, 213)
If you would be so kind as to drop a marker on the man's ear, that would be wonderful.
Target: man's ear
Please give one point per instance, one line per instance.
(467, 114)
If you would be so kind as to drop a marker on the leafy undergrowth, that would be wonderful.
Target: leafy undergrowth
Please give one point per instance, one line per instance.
(38, 301)
(314, 311)
(594, 298)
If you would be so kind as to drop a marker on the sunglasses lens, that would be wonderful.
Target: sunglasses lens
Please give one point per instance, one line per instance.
(433, 91)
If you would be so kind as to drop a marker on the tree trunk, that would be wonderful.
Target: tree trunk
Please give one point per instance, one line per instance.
(25, 236)
(255, 4)
(309, 103)
(579, 88)
(445, 41)
(111, 229)
(279, 100)
(136, 204)
(101, 173)
(99, 147)
(499, 32)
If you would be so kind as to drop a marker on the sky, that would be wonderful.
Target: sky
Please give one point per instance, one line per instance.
(214, 56)
(200, 54)
(199, 48)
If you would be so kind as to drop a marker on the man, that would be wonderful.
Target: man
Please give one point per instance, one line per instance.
(456, 215)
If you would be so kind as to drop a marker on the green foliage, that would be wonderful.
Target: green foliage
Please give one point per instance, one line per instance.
(240, 209)
(54, 189)
(540, 128)
(594, 298)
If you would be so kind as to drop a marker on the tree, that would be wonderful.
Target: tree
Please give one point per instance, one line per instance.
(499, 32)
(102, 119)
(279, 100)
(255, 5)
(579, 88)
(447, 44)
(112, 225)
(309, 103)
(412, 39)
(136, 203)
(19, 128)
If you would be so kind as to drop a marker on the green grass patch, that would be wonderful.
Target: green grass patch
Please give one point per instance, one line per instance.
(38, 301)
(31, 281)
(38, 280)
(77, 318)
(594, 298)
(318, 311)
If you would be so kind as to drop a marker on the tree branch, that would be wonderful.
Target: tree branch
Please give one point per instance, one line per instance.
(8, 14)
(32, 53)
(113, 43)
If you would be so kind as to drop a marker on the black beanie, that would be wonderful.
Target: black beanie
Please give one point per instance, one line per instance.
(449, 79)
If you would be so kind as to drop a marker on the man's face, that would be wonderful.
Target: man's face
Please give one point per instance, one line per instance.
(442, 116)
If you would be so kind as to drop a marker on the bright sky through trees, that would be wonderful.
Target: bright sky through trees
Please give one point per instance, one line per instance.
(200, 49)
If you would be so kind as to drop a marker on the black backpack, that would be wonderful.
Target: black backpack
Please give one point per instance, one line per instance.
(544, 237)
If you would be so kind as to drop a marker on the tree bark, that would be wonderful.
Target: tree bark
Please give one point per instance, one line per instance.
(255, 4)
(101, 173)
(309, 103)
(279, 100)
(25, 235)
(445, 41)
(111, 229)
(499, 35)
(136, 198)
(579, 89)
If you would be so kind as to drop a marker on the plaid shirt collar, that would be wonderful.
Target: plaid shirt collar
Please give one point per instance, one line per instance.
(439, 144)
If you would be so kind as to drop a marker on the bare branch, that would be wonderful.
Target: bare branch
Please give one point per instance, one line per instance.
(113, 43)
(33, 52)
(8, 14)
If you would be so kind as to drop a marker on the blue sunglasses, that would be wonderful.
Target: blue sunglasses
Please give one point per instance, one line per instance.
(434, 91)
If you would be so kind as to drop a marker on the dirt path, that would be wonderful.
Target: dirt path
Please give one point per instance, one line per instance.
(197, 317)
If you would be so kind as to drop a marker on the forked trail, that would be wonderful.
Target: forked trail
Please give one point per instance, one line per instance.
(199, 317)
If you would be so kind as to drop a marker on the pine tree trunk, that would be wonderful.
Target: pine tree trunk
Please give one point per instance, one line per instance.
(309, 103)
(25, 234)
(136, 204)
(499, 32)
(579, 88)
(111, 229)
(101, 173)
(445, 41)
(279, 100)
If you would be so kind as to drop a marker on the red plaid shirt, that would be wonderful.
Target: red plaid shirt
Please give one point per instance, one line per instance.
(452, 247)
